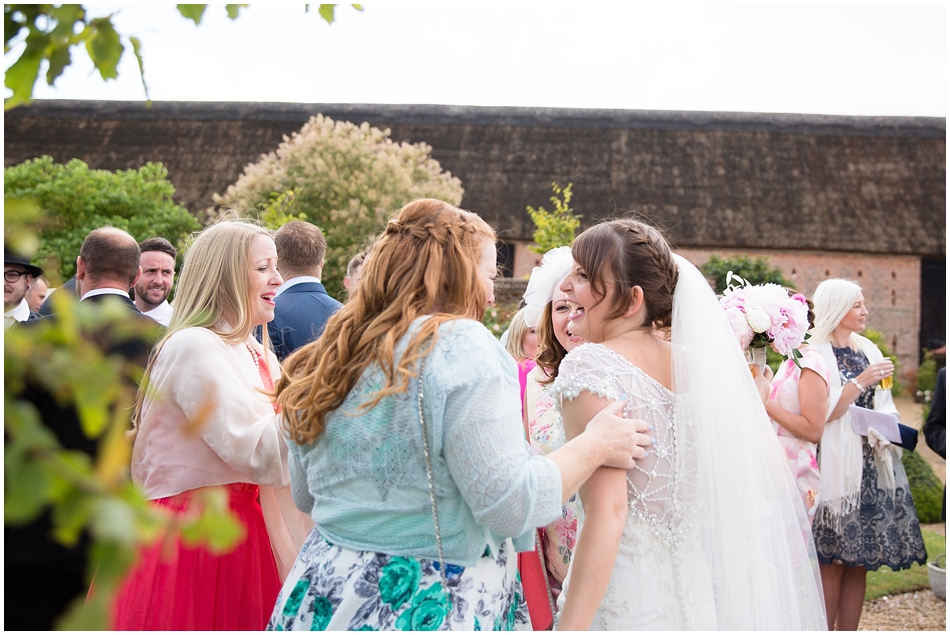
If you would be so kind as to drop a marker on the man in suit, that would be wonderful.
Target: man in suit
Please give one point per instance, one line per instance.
(935, 428)
(42, 577)
(303, 305)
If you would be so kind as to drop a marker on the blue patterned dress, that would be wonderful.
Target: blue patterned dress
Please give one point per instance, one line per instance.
(883, 529)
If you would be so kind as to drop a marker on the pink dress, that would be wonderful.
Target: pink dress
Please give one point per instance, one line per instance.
(802, 456)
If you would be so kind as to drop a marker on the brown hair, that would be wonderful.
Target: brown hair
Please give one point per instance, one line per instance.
(158, 244)
(110, 254)
(300, 246)
(632, 254)
(425, 261)
(550, 351)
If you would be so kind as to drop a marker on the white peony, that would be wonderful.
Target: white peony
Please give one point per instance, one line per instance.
(758, 319)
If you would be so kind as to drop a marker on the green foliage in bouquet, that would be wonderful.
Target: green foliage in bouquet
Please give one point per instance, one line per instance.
(755, 271)
(77, 200)
(556, 228)
(346, 179)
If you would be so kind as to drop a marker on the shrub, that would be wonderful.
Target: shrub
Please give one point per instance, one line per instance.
(346, 179)
(557, 228)
(497, 318)
(926, 381)
(878, 338)
(756, 271)
(925, 487)
(78, 200)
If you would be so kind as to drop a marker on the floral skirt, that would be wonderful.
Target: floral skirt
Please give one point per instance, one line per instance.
(883, 530)
(335, 588)
(804, 465)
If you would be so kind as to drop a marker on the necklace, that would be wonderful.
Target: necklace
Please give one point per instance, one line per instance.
(254, 356)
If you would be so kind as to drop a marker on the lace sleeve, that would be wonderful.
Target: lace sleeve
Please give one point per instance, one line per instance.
(299, 487)
(583, 370)
(508, 490)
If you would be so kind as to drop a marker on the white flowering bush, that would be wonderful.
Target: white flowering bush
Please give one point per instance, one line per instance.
(346, 179)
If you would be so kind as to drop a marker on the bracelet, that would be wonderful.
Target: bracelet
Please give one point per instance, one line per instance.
(854, 380)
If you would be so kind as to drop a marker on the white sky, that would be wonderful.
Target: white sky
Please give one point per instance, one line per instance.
(849, 59)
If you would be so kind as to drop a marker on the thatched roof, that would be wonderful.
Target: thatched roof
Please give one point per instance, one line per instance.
(725, 180)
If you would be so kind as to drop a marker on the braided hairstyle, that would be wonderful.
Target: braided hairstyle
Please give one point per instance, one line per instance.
(628, 253)
(425, 262)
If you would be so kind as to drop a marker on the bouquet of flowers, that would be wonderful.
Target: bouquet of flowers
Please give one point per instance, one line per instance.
(764, 314)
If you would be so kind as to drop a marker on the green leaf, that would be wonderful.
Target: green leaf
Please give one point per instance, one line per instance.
(104, 47)
(326, 12)
(26, 492)
(193, 11)
(21, 76)
(358, 7)
(66, 17)
(137, 51)
(59, 59)
(234, 9)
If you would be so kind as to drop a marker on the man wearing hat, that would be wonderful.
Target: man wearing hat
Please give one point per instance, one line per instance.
(18, 276)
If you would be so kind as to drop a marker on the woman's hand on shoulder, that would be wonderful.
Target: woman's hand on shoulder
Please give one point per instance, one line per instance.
(620, 441)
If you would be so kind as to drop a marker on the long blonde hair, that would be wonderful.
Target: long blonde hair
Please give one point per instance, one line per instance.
(832, 299)
(425, 262)
(214, 290)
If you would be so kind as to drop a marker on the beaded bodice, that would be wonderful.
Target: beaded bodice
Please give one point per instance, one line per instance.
(661, 489)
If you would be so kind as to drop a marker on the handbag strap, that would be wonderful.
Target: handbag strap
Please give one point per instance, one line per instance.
(429, 471)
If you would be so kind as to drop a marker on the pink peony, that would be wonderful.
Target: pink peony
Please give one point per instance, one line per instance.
(740, 326)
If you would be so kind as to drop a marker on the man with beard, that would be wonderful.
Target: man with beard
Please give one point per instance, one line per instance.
(158, 276)
(18, 275)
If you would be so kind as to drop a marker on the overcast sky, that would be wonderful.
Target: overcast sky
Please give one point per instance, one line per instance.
(851, 59)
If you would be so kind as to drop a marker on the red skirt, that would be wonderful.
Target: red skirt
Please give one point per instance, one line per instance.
(196, 590)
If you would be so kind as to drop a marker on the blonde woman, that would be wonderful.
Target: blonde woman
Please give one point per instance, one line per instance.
(522, 344)
(866, 517)
(206, 420)
(413, 530)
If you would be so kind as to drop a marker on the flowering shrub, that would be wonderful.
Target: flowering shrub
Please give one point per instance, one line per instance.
(498, 317)
(764, 314)
(346, 179)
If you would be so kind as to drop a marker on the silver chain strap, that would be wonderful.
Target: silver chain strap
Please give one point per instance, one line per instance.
(429, 472)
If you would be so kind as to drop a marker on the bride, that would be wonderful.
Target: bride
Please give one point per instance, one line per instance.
(708, 532)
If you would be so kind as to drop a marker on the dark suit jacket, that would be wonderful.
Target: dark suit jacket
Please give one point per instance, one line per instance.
(31, 543)
(935, 429)
(301, 314)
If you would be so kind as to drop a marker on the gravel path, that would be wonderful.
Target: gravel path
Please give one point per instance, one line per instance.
(917, 611)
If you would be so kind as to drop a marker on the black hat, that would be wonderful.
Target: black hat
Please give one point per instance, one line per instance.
(23, 261)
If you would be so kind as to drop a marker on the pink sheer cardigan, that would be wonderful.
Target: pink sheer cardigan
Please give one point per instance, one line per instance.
(207, 422)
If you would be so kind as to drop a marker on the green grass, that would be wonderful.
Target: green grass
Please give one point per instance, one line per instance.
(884, 581)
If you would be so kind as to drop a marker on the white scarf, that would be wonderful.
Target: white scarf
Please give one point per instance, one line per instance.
(841, 458)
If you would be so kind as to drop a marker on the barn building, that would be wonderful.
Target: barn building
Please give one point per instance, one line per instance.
(821, 196)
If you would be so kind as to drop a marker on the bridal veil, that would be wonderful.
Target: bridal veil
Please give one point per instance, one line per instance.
(755, 535)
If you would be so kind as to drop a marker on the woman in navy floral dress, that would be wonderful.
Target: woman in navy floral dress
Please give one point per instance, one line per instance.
(866, 516)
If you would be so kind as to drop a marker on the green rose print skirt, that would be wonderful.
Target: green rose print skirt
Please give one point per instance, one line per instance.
(335, 588)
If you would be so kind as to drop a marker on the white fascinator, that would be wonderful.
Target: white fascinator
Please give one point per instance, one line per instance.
(544, 281)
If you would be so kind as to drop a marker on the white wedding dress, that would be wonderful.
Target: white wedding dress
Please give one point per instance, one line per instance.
(660, 543)
(716, 536)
